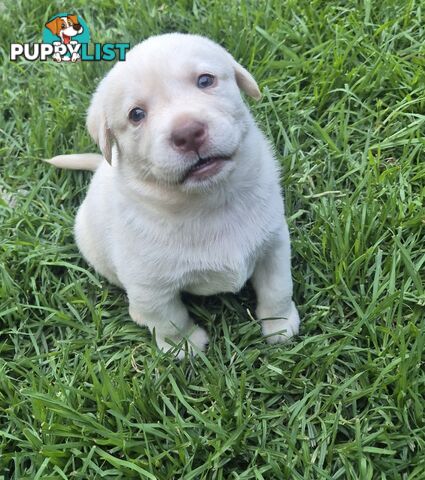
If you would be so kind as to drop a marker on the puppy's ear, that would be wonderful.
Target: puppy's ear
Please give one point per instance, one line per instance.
(97, 124)
(54, 25)
(73, 19)
(246, 81)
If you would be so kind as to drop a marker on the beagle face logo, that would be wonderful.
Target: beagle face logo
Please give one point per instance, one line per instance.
(65, 27)
(66, 32)
(66, 38)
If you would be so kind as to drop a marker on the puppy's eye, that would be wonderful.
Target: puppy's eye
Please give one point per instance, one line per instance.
(137, 114)
(205, 80)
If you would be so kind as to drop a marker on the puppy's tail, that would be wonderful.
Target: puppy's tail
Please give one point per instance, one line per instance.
(78, 161)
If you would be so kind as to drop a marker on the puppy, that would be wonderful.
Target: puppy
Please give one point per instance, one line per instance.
(65, 28)
(187, 195)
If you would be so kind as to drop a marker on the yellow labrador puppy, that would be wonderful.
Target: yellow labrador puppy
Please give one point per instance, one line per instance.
(186, 196)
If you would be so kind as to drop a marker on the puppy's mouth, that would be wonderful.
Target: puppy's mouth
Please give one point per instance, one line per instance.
(206, 167)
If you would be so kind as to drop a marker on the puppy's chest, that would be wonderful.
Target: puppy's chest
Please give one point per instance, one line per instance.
(209, 262)
(201, 256)
(230, 278)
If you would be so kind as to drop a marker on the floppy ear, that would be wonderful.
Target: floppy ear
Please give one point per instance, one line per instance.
(53, 25)
(246, 81)
(73, 19)
(97, 124)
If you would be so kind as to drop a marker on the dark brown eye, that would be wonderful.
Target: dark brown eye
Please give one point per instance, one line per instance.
(205, 80)
(137, 114)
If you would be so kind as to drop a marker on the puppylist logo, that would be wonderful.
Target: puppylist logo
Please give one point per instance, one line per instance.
(66, 38)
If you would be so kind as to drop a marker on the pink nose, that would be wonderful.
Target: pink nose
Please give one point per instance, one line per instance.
(189, 136)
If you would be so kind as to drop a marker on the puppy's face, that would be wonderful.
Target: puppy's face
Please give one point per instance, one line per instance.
(174, 112)
(65, 27)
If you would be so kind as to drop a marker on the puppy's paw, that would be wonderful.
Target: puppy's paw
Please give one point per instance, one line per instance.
(278, 330)
(197, 340)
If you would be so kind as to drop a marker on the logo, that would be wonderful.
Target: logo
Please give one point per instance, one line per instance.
(66, 38)
(66, 33)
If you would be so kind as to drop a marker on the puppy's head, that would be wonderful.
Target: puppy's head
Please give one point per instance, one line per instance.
(65, 27)
(173, 113)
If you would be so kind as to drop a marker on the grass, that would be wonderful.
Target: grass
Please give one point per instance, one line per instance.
(83, 392)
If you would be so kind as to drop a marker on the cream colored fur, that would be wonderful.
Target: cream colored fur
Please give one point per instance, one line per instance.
(155, 234)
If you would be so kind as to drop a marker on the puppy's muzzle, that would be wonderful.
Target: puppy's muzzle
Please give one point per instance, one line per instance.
(189, 136)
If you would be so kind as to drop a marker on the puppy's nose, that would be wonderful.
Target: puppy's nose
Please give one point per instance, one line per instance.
(189, 136)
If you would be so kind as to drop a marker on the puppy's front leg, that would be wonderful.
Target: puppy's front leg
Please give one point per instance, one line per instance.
(166, 314)
(273, 284)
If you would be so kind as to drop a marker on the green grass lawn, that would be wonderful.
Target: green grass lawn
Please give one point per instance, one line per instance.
(84, 394)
